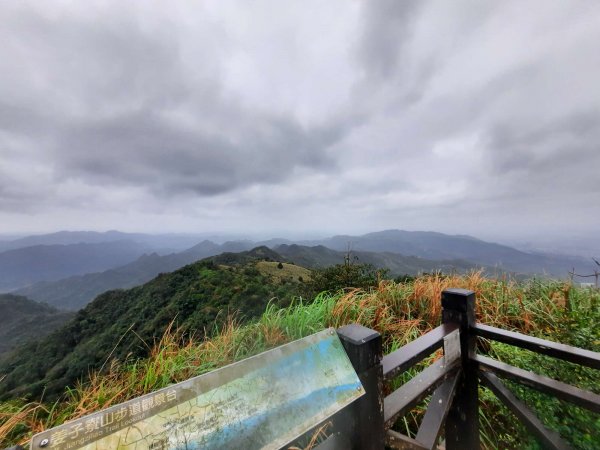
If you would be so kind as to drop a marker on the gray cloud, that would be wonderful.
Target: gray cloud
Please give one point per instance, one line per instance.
(127, 87)
(568, 140)
(554, 159)
(388, 27)
(143, 149)
(341, 116)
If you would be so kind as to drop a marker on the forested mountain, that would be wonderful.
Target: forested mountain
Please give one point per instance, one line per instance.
(320, 256)
(126, 322)
(23, 320)
(122, 323)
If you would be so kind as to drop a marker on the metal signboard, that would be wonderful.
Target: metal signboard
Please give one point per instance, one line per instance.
(262, 402)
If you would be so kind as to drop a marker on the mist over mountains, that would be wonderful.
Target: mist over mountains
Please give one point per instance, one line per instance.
(439, 246)
(157, 242)
(69, 269)
(76, 291)
(23, 266)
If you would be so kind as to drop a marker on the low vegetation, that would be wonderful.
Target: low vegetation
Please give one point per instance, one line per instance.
(400, 311)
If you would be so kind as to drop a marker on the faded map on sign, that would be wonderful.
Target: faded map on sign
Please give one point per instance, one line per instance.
(262, 402)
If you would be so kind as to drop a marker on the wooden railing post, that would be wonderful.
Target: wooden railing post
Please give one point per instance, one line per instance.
(363, 347)
(462, 423)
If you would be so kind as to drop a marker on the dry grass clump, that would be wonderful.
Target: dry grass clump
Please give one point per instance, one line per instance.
(403, 311)
(397, 309)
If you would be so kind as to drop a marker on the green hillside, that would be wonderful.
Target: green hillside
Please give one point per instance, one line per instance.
(24, 319)
(127, 323)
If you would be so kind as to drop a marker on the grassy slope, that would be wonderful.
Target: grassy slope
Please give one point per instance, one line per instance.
(400, 312)
(287, 272)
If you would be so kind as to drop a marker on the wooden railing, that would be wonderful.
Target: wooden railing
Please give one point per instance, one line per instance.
(452, 382)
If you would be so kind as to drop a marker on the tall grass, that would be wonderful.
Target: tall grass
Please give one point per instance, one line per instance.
(399, 311)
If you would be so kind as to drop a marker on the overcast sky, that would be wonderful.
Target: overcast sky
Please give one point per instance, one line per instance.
(276, 117)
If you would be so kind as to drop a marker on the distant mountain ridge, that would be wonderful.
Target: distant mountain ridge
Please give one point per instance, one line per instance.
(162, 243)
(403, 252)
(439, 246)
(75, 292)
(27, 265)
(199, 292)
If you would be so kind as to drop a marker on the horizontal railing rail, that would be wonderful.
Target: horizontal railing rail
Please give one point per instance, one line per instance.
(442, 380)
(548, 438)
(563, 391)
(549, 348)
(420, 386)
(414, 352)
